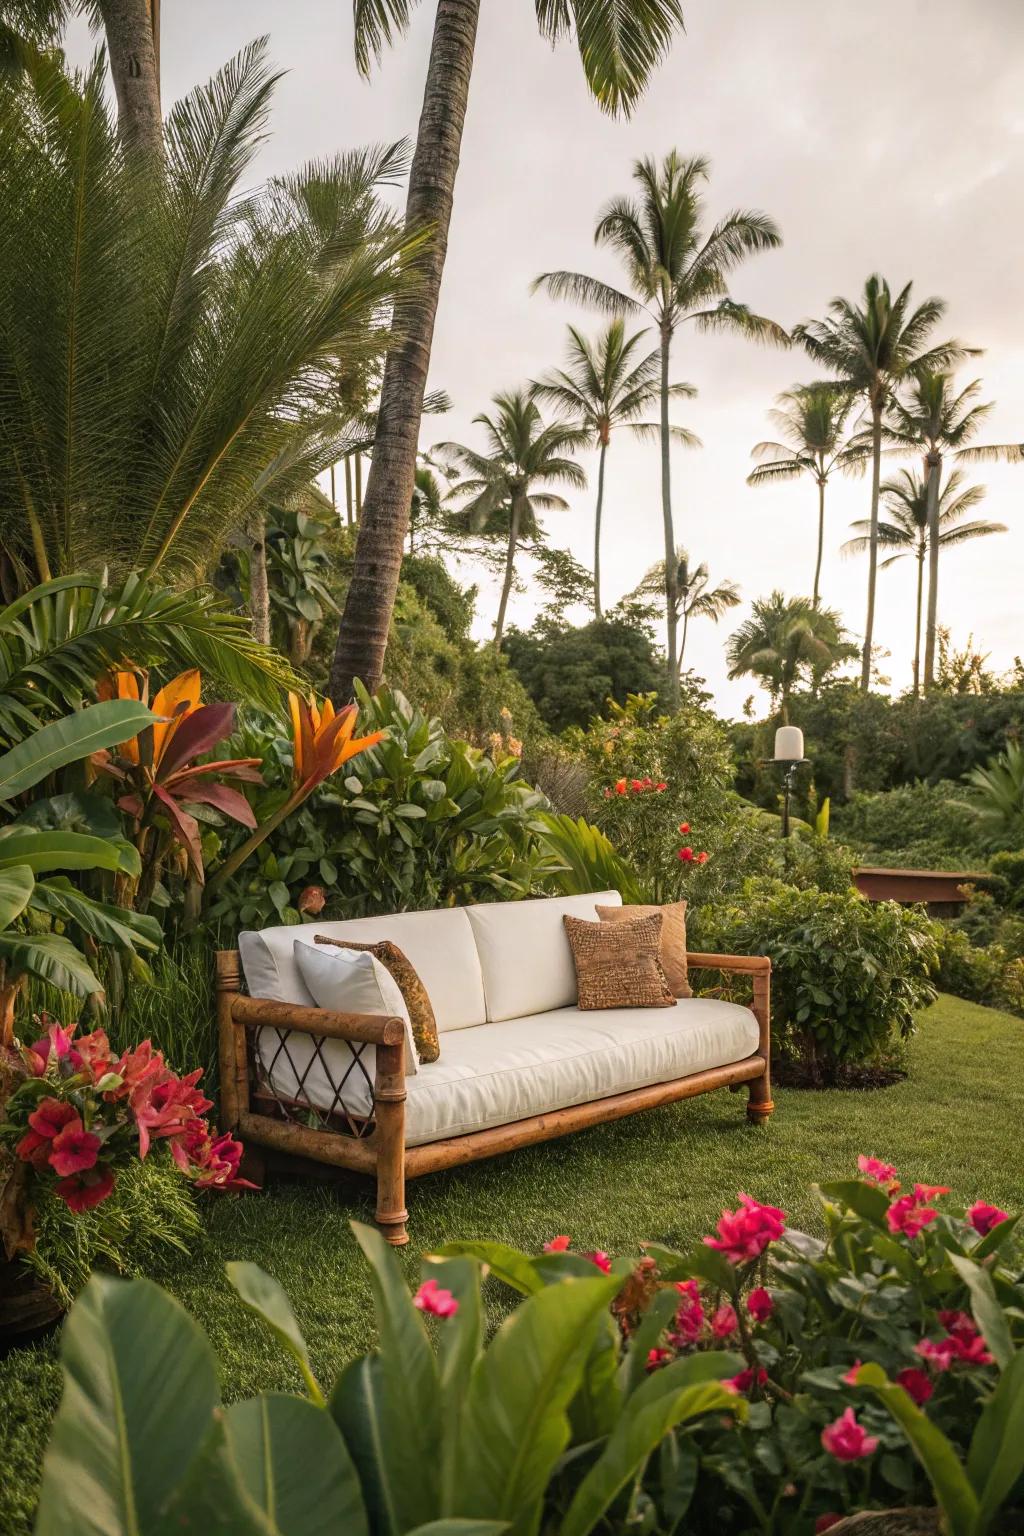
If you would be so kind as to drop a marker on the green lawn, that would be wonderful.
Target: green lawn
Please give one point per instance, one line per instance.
(663, 1175)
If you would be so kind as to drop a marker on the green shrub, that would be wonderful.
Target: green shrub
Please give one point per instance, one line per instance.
(150, 1216)
(1006, 880)
(987, 975)
(917, 826)
(848, 975)
(572, 673)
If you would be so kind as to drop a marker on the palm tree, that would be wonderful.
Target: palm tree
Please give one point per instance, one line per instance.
(697, 598)
(907, 527)
(810, 420)
(426, 512)
(620, 47)
(501, 492)
(678, 271)
(171, 351)
(785, 641)
(935, 419)
(603, 386)
(869, 346)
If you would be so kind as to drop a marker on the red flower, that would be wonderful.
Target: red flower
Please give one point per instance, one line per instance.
(432, 1298)
(741, 1384)
(929, 1191)
(909, 1216)
(689, 1318)
(916, 1384)
(725, 1322)
(74, 1150)
(746, 1233)
(620, 787)
(81, 1191)
(969, 1346)
(850, 1376)
(51, 1116)
(760, 1304)
(984, 1217)
(166, 1107)
(686, 854)
(638, 785)
(684, 827)
(558, 1244)
(601, 1259)
(876, 1172)
(702, 858)
(658, 1357)
(660, 788)
(847, 1440)
(34, 1149)
(939, 1355)
(94, 1052)
(647, 783)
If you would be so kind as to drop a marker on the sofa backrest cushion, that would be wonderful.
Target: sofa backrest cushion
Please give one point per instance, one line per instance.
(524, 954)
(439, 944)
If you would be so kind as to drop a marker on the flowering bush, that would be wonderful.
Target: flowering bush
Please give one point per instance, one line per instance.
(766, 1380)
(82, 1112)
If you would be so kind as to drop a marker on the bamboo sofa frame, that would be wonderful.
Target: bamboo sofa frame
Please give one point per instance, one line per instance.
(383, 1153)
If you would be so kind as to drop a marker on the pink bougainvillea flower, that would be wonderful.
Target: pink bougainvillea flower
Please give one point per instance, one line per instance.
(558, 1244)
(740, 1385)
(432, 1298)
(877, 1172)
(81, 1191)
(684, 827)
(746, 1233)
(850, 1376)
(73, 1150)
(909, 1216)
(686, 854)
(724, 1322)
(760, 1304)
(916, 1384)
(50, 1117)
(847, 1440)
(984, 1217)
(601, 1259)
(657, 1358)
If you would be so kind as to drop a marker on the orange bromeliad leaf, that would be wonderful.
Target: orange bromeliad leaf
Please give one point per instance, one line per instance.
(322, 740)
(176, 699)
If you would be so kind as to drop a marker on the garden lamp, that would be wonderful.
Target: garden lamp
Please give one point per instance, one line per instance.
(789, 754)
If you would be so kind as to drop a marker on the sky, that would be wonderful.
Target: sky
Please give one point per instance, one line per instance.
(886, 135)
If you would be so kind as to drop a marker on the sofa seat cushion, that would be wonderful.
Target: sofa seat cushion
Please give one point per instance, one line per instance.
(498, 1073)
(524, 954)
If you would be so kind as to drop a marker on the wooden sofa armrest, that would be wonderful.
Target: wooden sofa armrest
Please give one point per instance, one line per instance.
(751, 963)
(372, 1028)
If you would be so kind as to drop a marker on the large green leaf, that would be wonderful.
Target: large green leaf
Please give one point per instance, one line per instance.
(509, 1265)
(264, 1295)
(211, 1499)
(514, 1424)
(140, 1389)
(867, 1200)
(935, 1453)
(389, 1405)
(73, 812)
(293, 1462)
(52, 958)
(43, 851)
(15, 889)
(68, 741)
(679, 1392)
(988, 1313)
(456, 1527)
(101, 920)
(995, 1461)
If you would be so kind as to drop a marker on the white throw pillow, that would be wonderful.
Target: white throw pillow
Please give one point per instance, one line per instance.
(354, 981)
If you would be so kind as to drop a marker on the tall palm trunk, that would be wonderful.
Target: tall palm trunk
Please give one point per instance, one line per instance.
(933, 469)
(876, 475)
(363, 634)
(682, 637)
(821, 539)
(259, 585)
(917, 620)
(349, 518)
(597, 532)
(510, 569)
(334, 491)
(359, 486)
(131, 28)
(671, 570)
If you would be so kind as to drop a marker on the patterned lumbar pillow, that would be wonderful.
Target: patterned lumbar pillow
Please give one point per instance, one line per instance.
(673, 939)
(343, 982)
(618, 964)
(398, 964)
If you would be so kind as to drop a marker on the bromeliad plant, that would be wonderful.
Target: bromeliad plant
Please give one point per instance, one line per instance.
(164, 787)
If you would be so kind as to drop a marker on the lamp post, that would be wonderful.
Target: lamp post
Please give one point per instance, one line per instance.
(789, 754)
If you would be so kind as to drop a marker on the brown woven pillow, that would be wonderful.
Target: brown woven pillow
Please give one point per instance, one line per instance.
(673, 939)
(617, 964)
(421, 1014)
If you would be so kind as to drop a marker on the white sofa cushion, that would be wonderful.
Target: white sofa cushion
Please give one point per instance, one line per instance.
(524, 954)
(499, 1073)
(354, 981)
(439, 944)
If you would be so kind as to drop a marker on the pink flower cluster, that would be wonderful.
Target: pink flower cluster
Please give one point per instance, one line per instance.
(598, 1257)
(636, 787)
(115, 1099)
(910, 1214)
(962, 1342)
(434, 1299)
(745, 1234)
(847, 1440)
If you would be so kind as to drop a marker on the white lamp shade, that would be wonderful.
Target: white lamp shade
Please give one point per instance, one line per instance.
(789, 744)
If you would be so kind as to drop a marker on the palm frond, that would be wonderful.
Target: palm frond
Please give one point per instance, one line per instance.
(378, 23)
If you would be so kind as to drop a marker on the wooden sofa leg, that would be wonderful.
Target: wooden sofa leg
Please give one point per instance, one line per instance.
(389, 1098)
(759, 1102)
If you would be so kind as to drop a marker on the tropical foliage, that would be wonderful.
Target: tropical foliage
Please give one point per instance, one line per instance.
(787, 641)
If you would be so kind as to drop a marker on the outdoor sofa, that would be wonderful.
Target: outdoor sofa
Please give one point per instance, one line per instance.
(519, 1061)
